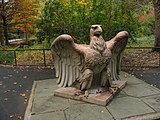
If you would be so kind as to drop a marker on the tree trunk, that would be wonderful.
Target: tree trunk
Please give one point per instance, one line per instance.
(5, 31)
(26, 34)
(1, 37)
(4, 24)
(157, 24)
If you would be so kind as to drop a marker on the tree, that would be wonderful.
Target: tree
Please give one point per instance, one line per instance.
(27, 15)
(6, 12)
(157, 23)
(17, 12)
(74, 17)
(1, 35)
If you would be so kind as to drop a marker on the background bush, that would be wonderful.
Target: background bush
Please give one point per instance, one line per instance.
(75, 17)
(7, 57)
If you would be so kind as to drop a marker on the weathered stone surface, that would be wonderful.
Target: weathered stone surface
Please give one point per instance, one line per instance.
(50, 103)
(46, 106)
(153, 101)
(42, 89)
(44, 99)
(87, 112)
(150, 116)
(96, 98)
(86, 66)
(49, 116)
(131, 80)
(128, 106)
(140, 90)
(121, 94)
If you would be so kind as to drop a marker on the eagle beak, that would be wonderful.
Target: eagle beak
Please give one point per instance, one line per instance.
(98, 33)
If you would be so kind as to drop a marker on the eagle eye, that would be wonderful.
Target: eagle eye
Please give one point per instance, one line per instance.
(94, 27)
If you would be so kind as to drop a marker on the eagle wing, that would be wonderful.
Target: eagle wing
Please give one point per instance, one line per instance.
(67, 60)
(117, 45)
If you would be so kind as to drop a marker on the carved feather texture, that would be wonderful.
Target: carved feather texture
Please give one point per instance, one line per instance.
(67, 60)
(117, 51)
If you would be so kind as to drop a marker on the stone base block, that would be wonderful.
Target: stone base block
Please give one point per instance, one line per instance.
(99, 96)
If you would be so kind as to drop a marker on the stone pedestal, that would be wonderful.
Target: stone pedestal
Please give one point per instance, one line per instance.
(99, 98)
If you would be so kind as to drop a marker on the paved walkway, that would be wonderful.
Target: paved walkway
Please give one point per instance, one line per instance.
(15, 86)
(150, 76)
(138, 100)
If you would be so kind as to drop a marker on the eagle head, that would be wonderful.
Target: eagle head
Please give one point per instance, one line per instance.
(96, 30)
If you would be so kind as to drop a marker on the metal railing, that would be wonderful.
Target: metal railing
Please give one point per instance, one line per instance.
(141, 57)
(27, 57)
(133, 57)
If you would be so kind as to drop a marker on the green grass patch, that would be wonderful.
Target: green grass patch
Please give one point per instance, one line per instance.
(7, 57)
(146, 41)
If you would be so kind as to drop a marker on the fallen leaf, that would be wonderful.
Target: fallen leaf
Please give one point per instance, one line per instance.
(19, 117)
(5, 99)
(22, 67)
(15, 83)
(11, 116)
(5, 77)
(23, 94)
(9, 75)
(25, 76)
(13, 90)
(6, 91)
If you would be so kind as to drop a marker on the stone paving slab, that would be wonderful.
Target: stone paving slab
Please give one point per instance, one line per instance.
(128, 106)
(153, 101)
(136, 100)
(141, 90)
(87, 112)
(50, 116)
(51, 103)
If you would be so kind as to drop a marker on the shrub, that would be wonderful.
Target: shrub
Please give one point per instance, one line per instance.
(7, 56)
(147, 26)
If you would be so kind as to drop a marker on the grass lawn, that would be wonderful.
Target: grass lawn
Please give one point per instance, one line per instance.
(146, 41)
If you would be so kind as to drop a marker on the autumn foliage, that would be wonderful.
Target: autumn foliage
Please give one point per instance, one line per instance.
(18, 14)
(27, 15)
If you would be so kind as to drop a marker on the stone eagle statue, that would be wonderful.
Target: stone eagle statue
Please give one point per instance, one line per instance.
(84, 66)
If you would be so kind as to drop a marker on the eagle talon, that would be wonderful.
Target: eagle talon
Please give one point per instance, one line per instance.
(78, 93)
(86, 94)
(113, 90)
(102, 89)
